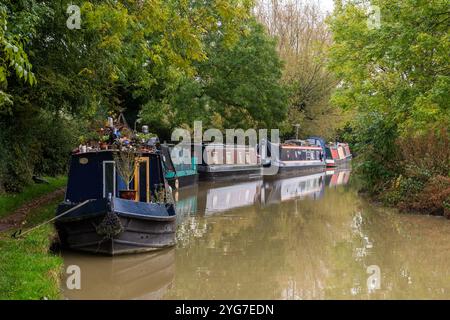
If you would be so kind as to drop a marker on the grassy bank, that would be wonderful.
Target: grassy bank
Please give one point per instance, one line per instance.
(10, 202)
(28, 270)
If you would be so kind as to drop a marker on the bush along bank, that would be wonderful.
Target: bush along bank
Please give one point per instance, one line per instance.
(420, 178)
(10, 202)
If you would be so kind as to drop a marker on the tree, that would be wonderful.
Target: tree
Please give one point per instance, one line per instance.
(238, 86)
(303, 41)
(126, 54)
(396, 78)
(13, 59)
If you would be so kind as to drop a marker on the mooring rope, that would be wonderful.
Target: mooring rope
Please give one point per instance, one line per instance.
(19, 233)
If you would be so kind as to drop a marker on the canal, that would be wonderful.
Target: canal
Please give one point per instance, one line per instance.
(309, 237)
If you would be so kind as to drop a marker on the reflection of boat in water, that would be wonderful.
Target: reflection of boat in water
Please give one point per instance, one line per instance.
(143, 276)
(225, 198)
(186, 202)
(221, 197)
(337, 177)
(311, 186)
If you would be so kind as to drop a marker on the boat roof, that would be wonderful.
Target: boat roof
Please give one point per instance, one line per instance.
(95, 151)
(290, 146)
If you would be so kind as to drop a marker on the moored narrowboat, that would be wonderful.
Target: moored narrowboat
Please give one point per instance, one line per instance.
(337, 154)
(295, 155)
(180, 167)
(221, 161)
(117, 199)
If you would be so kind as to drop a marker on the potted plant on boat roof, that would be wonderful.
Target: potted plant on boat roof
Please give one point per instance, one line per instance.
(126, 161)
(104, 142)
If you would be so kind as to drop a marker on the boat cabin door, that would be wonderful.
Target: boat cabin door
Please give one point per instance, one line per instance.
(142, 179)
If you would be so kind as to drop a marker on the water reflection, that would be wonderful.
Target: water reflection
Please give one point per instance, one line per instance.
(311, 186)
(309, 237)
(336, 178)
(142, 276)
(226, 198)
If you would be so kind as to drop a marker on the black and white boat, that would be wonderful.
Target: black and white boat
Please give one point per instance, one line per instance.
(222, 161)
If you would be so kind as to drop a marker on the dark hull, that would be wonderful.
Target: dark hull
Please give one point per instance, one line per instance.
(296, 171)
(183, 181)
(224, 173)
(131, 233)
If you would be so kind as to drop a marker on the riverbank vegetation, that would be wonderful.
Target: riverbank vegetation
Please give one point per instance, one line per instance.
(28, 269)
(395, 76)
(12, 201)
(233, 64)
(167, 62)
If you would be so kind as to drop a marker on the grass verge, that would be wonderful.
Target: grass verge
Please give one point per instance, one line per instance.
(10, 202)
(28, 270)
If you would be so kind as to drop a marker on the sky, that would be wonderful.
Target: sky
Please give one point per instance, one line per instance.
(326, 5)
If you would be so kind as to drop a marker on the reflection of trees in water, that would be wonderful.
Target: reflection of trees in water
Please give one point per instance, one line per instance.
(412, 252)
(236, 258)
(311, 249)
(134, 276)
(321, 247)
(255, 252)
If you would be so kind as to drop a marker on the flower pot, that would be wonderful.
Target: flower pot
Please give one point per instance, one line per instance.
(127, 194)
(103, 146)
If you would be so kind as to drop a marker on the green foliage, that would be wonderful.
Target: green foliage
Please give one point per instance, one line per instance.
(10, 202)
(396, 78)
(36, 142)
(13, 59)
(27, 269)
(127, 54)
(238, 86)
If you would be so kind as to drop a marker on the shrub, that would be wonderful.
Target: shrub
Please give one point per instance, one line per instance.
(35, 143)
(432, 199)
(425, 183)
(426, 155)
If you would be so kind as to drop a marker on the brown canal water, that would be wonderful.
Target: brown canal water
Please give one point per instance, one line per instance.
(310, 237)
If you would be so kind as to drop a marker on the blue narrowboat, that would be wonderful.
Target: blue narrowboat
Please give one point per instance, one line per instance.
(94, 215)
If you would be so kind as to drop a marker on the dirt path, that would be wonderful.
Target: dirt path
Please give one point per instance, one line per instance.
(17, 217)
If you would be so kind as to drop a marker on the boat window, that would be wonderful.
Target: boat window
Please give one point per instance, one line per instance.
(109, 178)
(241, 160)
(229, 159)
